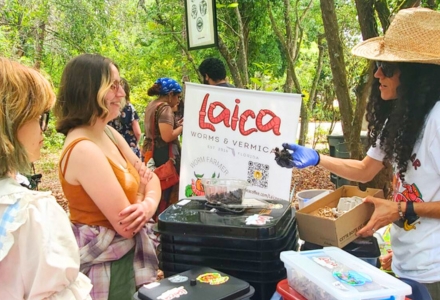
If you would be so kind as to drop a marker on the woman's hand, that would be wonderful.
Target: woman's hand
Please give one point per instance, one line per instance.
(385, 212)
(136, 215)
(385, 261)
(180, 122)
(145, 174)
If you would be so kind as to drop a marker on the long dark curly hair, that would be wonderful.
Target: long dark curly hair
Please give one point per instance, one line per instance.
(399, 123)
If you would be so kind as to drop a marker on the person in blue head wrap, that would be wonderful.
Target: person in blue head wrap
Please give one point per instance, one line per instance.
(163, 133)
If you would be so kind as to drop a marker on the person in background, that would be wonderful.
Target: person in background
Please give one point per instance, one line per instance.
(39, 257)
(111, 194)
(403, 115)
(214, 72)
(127, 123)
(164, 132)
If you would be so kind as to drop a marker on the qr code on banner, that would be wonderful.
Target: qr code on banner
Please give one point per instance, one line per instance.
(258, 174)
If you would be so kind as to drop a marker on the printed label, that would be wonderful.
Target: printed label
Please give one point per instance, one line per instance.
(173, 293)
(258, 220)
(325, 261)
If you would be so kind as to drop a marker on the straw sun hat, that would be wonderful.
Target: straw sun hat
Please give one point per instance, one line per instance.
(413, 36)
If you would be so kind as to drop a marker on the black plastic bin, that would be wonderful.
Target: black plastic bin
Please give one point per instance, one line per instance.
(196, 219)
(194, 235)
(287, 242)
(190, 285)
(264, 283)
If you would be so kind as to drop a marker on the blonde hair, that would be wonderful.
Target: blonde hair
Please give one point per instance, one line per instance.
(25, 94)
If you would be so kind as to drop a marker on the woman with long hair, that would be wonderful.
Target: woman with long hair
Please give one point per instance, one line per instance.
(403, 115)
(111, 194)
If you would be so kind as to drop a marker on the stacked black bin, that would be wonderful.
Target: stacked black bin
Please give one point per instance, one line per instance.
(194, 235)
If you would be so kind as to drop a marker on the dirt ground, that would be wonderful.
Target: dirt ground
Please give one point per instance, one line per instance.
(305, 179)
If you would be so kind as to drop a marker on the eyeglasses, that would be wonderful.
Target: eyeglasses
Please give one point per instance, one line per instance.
(388, 68)
(116, 84)
(44, 120)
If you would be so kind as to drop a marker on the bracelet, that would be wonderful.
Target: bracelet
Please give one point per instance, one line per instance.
(399, 209)
(319, 158)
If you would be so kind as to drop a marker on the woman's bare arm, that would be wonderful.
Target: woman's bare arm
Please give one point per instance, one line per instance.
(352, 169)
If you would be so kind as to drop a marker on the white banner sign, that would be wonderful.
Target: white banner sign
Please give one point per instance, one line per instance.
(230, 133)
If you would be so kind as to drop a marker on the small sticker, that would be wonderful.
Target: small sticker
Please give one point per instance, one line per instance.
(339, 286)
(325, 261)
(275, 206)
(151, 285)
(183, 202)
(258, 220)
(352, 278)
(178, 279)
(173, 293)
(213, 278)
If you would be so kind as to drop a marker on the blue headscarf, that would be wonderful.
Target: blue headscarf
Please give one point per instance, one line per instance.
(168, 85)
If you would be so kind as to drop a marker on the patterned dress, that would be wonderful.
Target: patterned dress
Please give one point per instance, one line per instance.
(122, 124)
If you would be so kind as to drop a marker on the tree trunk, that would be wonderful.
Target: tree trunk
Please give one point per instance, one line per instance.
(367, 23)
(232, 65)
(290, 46)
(304, 129)
(313, 89)
(383, 12)
(368, 26)
(337, 64)
(39, 42)
(243, 60)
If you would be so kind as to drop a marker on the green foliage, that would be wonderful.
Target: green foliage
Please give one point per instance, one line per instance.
(147, 39)
(52, 139)
(264, 79)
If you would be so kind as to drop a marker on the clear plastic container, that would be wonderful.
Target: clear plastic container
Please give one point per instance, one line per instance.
(224, 191)
(333, 274)
(307, 197)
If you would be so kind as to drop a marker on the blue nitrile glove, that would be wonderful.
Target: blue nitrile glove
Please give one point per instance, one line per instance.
(302, 157)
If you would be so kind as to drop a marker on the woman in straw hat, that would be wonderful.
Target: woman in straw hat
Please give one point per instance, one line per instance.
(403, 117)
(39, 257)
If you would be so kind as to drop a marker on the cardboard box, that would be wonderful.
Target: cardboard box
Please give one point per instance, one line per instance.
(339, 232)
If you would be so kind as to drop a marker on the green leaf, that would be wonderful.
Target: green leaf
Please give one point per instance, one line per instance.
(233, 5)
